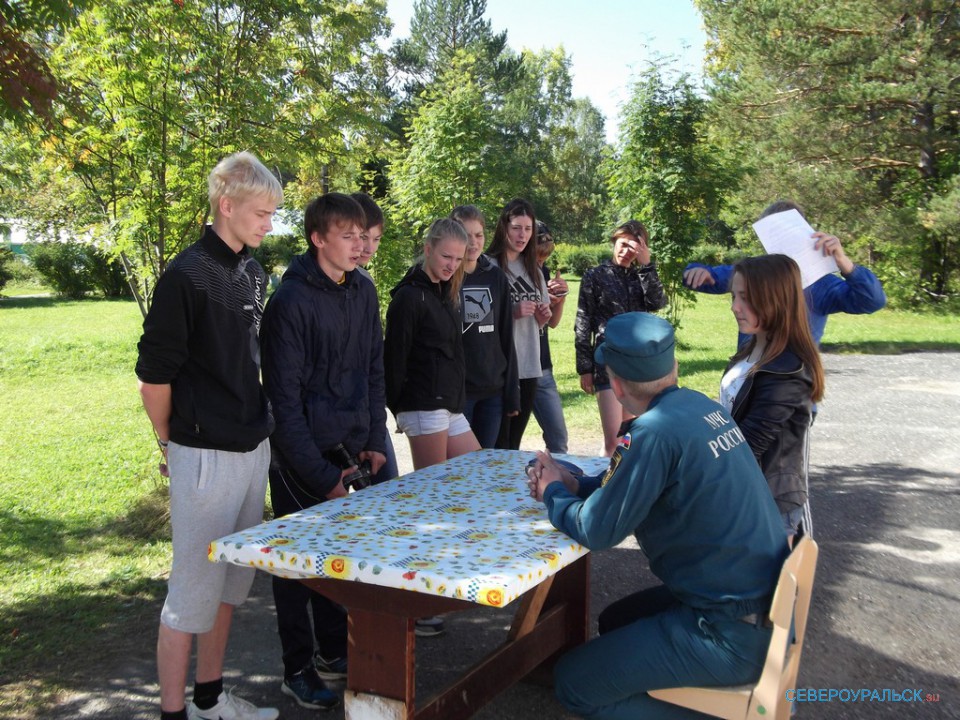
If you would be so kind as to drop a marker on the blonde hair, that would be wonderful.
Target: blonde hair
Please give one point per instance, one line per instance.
(239, 176)
(439, 231)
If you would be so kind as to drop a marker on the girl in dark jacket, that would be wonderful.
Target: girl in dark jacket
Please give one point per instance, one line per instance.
(423, 350)
(627, 283)
(772, 382)
(493, 388)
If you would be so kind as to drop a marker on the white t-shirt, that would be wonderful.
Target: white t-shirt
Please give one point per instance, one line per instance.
(732, 381)
(526, 331)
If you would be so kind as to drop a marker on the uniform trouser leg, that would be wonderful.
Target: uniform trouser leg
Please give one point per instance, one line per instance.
(609, 676)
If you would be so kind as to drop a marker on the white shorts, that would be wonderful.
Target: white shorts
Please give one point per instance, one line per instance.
(428, 422)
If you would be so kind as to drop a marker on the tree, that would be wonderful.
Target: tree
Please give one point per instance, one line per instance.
(453, 157)
(439, 30)
(156, 93)
(26, 84)
(566, 151)
(668, 174)
(852, 109)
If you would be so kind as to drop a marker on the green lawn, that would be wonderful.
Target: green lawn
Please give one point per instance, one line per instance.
(82, 512)
(82, 508)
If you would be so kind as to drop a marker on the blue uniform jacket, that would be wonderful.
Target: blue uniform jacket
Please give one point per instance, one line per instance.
(685, 482)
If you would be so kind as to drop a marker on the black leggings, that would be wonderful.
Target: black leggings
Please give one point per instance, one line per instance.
(511, 428)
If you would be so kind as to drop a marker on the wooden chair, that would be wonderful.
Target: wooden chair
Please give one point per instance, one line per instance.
(767, 700)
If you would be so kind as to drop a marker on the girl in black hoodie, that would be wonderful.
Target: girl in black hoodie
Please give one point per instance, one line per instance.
(423, 350)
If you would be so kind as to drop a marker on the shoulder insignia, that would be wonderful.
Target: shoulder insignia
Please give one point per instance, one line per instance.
(615, 460)
(625, 441)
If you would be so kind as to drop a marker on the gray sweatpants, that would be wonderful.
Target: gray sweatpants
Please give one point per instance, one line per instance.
(212, 493)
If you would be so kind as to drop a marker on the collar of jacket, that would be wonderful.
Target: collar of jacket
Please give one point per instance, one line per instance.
(304, 267)
(418, 278)
(220, 251)
(786, 363)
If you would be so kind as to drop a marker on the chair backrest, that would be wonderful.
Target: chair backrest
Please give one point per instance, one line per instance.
(788, 614)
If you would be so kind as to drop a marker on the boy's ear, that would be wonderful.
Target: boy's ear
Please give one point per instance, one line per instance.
(316, 239)
(225, 206)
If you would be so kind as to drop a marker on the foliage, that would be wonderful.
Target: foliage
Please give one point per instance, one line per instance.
(442, 29)
(156, 93)
(63, 266)
(568, 188)
(668, 174)
(453, 155)
(7, 261)
(73, 269)
(851, 109)
(26, 84)
(276, 251)
(577, 259)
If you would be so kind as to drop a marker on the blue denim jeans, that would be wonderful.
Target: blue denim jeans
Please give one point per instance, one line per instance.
(484, 416)
(389, 470)
(609, 676)
(548, 410)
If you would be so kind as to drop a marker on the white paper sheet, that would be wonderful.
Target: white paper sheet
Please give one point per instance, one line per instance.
(788, 233)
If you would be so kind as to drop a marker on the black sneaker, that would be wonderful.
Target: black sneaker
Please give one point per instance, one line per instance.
(308, 690)
(429, 627)
(335, 669)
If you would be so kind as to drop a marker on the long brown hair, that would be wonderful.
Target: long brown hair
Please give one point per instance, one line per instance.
(518, 207)
(439, 231)
(774, 291)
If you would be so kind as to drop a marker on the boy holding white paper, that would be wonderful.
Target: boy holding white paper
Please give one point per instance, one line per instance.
(858, 291)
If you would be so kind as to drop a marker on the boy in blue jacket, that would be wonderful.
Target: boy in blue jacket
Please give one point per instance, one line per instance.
(323, 372)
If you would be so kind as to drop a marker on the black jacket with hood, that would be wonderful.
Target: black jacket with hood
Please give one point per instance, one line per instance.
(323, 371)
(488, 335)
(423, 350)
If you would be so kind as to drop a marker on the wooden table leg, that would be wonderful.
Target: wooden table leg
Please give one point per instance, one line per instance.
(381, 672)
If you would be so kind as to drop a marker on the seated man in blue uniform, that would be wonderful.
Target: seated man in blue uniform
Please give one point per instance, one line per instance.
(684, 481)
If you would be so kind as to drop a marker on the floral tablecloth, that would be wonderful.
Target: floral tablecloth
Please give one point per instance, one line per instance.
(466, 529)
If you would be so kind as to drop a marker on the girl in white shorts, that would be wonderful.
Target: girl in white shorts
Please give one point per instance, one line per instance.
(423, 350)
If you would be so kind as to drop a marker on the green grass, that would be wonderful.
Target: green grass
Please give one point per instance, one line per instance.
(19, 289)
(82, 508)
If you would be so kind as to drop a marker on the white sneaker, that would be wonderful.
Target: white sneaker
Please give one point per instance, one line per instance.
(230, 707)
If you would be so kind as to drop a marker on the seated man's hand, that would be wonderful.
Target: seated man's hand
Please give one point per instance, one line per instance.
(697, 277)
(545, 471)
